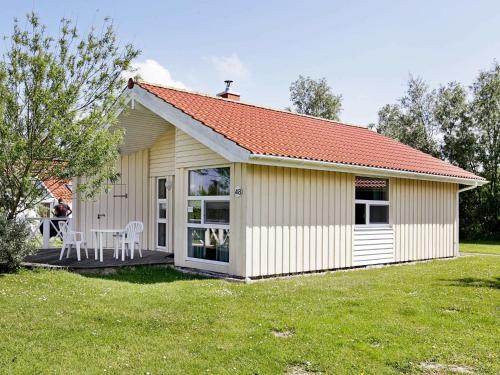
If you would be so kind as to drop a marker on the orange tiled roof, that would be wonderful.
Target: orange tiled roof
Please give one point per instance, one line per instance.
(280, 133)
(59, 189)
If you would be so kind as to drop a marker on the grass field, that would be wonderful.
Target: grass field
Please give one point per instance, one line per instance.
(481, 247)
(426, 317)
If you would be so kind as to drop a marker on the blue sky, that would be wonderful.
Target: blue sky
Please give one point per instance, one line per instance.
(365, 49)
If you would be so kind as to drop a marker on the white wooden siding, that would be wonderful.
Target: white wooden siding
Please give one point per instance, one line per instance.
(297, 220)
(423, 214)
(373, 245)
(300, 220)
(162, 155)
(191, 153)
(119, 211)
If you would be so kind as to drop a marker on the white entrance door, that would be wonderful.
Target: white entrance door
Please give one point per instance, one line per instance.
(161, 214)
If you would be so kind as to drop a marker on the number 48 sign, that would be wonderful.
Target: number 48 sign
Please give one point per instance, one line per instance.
(238, 191)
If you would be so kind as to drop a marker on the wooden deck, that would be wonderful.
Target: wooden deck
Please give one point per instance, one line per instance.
(50, 258)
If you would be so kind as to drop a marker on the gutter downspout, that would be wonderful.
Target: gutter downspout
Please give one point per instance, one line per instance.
(457, 215)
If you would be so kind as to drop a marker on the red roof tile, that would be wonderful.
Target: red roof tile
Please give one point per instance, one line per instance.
(59, 189)
(280, 133)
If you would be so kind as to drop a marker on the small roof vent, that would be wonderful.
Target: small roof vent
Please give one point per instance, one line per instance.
(228, 93)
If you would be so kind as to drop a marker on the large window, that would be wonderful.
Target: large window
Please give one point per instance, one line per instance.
(208, 214)
(372, 201)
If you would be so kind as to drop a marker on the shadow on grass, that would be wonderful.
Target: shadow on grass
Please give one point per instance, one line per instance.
(146, 275)
(481, 242)
(476, 282)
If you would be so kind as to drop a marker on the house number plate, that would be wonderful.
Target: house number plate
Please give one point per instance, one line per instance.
(238, 191)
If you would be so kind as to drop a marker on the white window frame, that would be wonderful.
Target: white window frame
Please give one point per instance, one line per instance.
(202, 199)
(368, 203)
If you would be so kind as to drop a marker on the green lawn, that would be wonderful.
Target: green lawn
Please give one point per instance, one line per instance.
(155, 320)
(481, 247)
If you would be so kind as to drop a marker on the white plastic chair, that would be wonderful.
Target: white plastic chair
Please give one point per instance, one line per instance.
(129, 238)
(71, 238)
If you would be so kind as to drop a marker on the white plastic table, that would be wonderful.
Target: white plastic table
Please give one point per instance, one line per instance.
(98, 234)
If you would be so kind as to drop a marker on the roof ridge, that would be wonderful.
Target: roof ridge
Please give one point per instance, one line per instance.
(250, 104)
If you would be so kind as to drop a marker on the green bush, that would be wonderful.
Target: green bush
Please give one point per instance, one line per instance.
(14, 242)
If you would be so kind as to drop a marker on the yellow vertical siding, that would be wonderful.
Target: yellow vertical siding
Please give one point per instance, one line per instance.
(300, 220)
(119, 210)
(297, 220)
(191, 153)
(162, 155)
(423, 214)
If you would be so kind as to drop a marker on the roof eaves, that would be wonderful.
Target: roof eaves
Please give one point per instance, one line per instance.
(361, 169)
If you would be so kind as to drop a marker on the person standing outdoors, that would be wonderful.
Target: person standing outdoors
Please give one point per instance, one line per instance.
(62, 209)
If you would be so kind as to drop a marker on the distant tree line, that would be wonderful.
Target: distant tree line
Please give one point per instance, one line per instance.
(456, 123)
(462, 126)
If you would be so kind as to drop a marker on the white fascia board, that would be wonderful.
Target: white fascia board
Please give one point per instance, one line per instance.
(194, 128)
(127, 99)
(356, 169)
(468, 188)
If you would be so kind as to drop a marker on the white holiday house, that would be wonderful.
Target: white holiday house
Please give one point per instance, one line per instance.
(249, 191)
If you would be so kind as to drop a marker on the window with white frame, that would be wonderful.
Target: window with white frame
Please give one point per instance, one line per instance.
(208, 214)
(371, 201)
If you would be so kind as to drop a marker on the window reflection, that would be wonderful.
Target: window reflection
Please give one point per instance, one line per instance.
(211, 181)
(209, 244)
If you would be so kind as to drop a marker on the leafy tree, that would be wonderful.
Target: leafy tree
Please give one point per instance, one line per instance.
(315, 98)
(452, 112)
(411, 120)
(58, 97)
(463, 127)
(486, 117)
(460, 147)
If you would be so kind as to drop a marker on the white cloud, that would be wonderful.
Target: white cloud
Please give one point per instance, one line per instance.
(152, 71)
(230, 67)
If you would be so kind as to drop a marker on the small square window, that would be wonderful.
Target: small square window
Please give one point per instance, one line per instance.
(379, 214)
(371, 201)
(217, 212)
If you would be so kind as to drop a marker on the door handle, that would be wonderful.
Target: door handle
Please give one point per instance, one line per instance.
(100, 215)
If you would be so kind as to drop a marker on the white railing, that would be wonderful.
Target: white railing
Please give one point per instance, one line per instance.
(40, 231)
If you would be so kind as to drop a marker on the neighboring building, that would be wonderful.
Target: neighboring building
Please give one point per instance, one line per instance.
(249, 191)
(55, 190)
